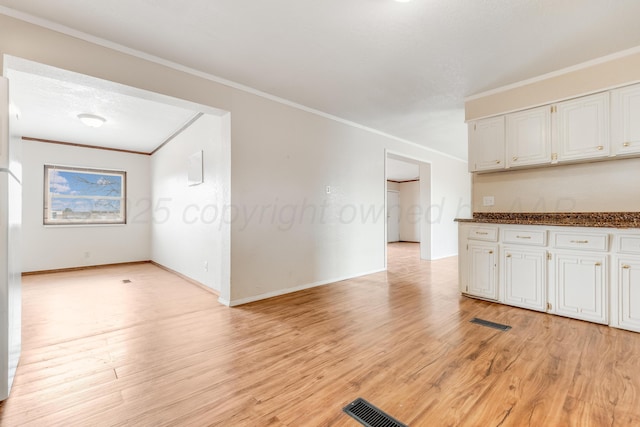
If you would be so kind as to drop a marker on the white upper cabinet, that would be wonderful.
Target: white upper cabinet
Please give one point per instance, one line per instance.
(486, 144)
(601, 126)
(581, 128)
(528, 137)
(625, 120)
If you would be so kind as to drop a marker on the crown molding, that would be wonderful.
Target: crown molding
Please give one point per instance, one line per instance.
(563, 71)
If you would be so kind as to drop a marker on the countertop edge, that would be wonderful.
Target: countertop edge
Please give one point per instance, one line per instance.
(587, 223)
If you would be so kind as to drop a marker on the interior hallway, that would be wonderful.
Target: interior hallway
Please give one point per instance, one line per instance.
(161, 351)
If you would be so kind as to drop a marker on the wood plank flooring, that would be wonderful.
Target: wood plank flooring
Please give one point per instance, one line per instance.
(160, 351)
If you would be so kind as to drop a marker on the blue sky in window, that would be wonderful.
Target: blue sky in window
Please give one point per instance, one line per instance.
(84, 191)
(84, 184)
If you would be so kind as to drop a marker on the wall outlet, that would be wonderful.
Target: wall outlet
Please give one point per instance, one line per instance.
(488, 201)
(327, 189)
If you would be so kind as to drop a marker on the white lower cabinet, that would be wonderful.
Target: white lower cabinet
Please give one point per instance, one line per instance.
(625, 294)
(524, 278)
(482, 270)
(586, 273)
(625, 286)
(580, 286)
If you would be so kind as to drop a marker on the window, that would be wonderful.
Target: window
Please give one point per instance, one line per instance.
(84, 196)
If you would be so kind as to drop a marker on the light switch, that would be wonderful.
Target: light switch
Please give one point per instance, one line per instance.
(328, 189)
(488, 201)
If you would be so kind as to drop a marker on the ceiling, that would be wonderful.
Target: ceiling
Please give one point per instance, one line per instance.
(49, 100)
(401, 68)
(401, 171)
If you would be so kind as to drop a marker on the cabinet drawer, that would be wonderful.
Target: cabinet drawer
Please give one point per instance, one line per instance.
(490, 234)
(584, 241)
(628, 244)
(529, 237)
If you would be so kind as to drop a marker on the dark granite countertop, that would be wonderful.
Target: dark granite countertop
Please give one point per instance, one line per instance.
(571, 219)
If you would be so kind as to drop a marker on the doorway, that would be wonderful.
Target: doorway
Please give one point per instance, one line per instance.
(408, 201)
(153, 215)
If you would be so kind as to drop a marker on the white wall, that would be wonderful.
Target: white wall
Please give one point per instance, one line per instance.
(450, 190)
(393, 185)
(410, 211)
(282, 158)
(290, 233)
(187, 229)
(55, 247)
(608, 186)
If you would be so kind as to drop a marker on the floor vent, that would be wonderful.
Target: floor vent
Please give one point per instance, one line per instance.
(369, 415)
(490, 324)
(126, 281)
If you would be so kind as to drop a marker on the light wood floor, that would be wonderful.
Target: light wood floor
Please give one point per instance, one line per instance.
(160, 351)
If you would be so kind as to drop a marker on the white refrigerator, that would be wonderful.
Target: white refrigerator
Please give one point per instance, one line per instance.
(10, 269)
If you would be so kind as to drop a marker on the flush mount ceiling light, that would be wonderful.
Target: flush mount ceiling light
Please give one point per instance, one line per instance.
(92, 120)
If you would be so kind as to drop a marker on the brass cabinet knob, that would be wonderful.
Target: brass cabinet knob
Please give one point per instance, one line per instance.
(515, 159)
(626, 144)
(626, 266)
(600, 147)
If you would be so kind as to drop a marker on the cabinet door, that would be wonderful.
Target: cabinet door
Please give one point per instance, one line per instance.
(486, 144)
(524, 278)
(581, 128)
(625, 120)
(528, 137)
(626, 304)
(580, 286)
(482, 271)
(463, 260)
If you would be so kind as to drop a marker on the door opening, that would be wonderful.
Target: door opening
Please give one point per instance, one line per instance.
(408, 201)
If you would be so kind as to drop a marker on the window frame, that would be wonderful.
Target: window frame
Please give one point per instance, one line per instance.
(48, 213)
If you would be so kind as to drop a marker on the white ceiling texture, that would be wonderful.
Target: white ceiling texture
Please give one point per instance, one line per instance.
(403, 69)
(49, 101)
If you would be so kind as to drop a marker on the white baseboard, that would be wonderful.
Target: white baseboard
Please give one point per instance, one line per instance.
(444, 256)
(234, 303)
